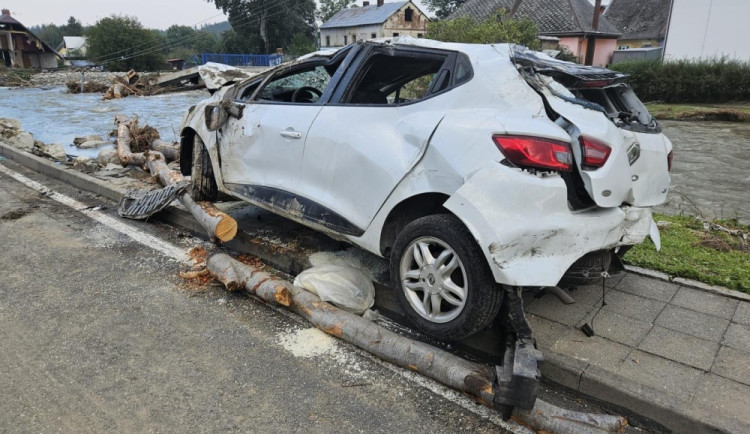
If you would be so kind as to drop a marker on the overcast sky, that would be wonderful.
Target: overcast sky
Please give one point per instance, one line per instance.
(156, 14)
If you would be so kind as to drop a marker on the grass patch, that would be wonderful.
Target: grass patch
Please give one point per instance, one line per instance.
(735, 113)
(694, 249)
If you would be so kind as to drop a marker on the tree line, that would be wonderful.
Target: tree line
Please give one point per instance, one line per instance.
(257, 26)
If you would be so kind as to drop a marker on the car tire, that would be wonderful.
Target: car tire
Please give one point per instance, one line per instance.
(203, 181)
(442, 280)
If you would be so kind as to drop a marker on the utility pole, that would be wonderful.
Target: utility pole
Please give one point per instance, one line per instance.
(591, 41)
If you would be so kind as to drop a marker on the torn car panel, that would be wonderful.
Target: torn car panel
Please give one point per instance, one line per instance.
(529, 234)
(623, 161)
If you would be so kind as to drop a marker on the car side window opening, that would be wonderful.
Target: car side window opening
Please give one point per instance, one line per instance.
(300, 86)
(398, 79)
(463, 69)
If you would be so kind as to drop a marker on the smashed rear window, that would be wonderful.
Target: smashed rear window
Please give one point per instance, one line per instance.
(595, 88)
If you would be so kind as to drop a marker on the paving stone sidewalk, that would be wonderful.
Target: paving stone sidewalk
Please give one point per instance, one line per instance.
(691, 344)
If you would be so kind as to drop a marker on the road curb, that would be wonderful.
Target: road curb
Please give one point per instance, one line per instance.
(631, 398)
(62, 173)
(596, 383)
(659, 275)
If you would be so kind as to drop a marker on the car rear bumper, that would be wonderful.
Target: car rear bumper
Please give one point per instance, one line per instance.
(527, 232)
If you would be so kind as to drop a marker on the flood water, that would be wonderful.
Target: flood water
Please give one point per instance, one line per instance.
(710, 175)
(55, 116)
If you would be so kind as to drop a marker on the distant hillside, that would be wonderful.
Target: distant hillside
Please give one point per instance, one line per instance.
(217, 28)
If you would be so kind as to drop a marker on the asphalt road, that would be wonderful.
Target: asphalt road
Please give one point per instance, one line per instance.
(98, 333)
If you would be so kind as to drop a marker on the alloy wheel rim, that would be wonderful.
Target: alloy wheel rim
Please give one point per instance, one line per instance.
(433, 279)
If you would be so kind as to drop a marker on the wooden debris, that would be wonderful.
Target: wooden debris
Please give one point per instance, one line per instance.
(218, 225)
(88, 87)
(132, 83)
(475, 380)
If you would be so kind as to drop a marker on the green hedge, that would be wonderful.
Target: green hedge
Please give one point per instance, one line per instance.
(687, 81)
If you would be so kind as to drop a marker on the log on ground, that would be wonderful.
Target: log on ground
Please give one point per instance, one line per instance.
(217, 224)
(475, 380)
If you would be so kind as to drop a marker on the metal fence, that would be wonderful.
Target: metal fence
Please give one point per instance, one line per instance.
(244, 59)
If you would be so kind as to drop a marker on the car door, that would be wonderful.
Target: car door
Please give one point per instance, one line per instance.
(375, 130)
(261, 152)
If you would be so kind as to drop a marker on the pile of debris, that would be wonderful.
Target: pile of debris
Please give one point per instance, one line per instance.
(210, 75)
(88, 87)
(132, 83)
(63, 77)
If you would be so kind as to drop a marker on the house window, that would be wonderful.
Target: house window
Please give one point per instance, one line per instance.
(354, 38)
(373, 35)
(408, 14)
(328, 41)
(395, 35)
(420, 35)
(345, 40)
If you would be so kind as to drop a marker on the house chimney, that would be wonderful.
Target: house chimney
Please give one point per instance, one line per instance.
(6, 12)
(380, 3)
(365, 4)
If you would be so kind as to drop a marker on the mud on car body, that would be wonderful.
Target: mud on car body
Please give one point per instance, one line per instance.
(469, 166)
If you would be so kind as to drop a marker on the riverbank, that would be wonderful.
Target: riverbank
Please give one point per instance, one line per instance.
(31, 78)
(693, 112)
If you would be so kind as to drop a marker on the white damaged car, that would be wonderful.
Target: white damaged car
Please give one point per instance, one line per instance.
(469, 166)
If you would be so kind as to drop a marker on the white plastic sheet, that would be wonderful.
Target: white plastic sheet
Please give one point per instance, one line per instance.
(343, 286)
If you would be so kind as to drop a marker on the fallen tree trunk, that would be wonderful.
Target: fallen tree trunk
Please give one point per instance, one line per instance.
(551, 418)
(475, 380)
(171, 151)
(218, 225)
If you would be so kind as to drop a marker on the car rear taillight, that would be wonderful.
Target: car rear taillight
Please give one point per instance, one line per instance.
(669, 161)
(536, 152)
(595, 153)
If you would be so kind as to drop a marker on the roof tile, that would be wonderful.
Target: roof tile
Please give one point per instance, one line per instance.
(639, 19)
(554, 17)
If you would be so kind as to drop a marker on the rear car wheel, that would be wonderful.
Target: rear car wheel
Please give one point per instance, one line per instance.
(203, 182)
(441, 278)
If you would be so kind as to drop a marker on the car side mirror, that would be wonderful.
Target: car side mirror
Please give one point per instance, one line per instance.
(215, 116)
